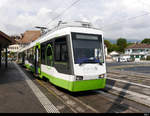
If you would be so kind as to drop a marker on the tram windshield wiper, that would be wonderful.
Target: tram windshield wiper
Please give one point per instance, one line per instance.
(88, 60)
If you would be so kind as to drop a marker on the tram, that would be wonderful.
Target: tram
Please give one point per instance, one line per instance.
(70, 57)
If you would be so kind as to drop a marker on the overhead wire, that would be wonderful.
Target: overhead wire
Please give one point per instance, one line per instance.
(45, 25)
(64, 11)
(128, 19)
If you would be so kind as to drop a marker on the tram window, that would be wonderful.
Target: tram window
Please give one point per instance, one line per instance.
(64, 53)
(32, 55)
(43, 54)
(57, 53)
(25, 55)
(49, 51)
(49, 56)
(61, 56)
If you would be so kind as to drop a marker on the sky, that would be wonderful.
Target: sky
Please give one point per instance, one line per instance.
(129, 19)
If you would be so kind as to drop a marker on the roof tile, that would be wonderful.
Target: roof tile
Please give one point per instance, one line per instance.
(30, 36)
(137, 45)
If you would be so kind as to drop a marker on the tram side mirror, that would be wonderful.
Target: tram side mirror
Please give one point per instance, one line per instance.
(101, 63)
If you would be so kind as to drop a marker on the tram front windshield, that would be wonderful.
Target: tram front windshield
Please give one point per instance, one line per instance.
(87, 48)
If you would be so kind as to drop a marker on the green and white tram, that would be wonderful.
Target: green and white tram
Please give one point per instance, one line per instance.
(71, 57)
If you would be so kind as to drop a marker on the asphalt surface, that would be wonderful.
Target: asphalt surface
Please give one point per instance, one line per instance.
(140, 69)
(17, 97)
(15, 94)
(136, 67)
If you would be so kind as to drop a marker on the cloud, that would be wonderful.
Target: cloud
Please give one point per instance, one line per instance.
(16, 16)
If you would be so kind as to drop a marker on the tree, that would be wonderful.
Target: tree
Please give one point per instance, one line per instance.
(146, 41)
(122, 44)
(108, 45)
(114, 47)
(128, 44)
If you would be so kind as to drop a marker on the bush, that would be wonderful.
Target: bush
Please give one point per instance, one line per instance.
(148, 58)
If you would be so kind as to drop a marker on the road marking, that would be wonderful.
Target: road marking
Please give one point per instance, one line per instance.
(91, 108)
(109, 95)
(143, 99)
(49, 107)
(141, 75)
(145, 86)
(51, 91)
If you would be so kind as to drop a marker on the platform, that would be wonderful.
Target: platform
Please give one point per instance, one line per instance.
(15, 94)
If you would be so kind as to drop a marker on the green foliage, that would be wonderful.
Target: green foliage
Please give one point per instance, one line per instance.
(146, 41)
(122, 44)
(3, 54)
(11, 54)
(108, 44)
(114, 47)
(128, 44)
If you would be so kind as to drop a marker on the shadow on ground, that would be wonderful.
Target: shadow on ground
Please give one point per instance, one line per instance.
(10, 74)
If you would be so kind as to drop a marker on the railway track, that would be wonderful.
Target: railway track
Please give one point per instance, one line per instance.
(107, 100)
(134, 77)
(92, 101)
(134, 85)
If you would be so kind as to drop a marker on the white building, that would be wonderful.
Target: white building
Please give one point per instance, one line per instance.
(13, 48)
(106, 50)
(124, 58)
(115, 55)
(138, 51)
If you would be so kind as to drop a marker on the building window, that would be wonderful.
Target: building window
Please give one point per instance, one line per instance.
(142, 56)
(137, 56)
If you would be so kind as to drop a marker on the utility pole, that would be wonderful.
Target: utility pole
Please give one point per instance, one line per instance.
(6, 58)
(0, 56)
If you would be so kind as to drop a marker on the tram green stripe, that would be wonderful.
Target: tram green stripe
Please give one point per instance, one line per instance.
(29, 67)
(76, 86)
(59, 82)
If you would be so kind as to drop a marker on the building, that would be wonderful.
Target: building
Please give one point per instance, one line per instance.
(106, 50)
(28, 37)
(138, 51)
(5, 41)
(22, 41)
(124, 58)
(115, 55)
(13, 48)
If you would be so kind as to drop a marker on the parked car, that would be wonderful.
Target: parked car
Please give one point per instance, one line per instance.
(122, 60)
(129, 60)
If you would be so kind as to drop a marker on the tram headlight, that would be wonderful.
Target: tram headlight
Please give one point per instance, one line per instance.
(78, 78)
(102, 76)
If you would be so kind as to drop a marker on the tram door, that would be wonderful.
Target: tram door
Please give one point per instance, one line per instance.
(37, 60)
(23, 58)
(49, 55)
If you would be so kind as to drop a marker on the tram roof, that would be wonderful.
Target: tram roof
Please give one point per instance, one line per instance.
(62, 32)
